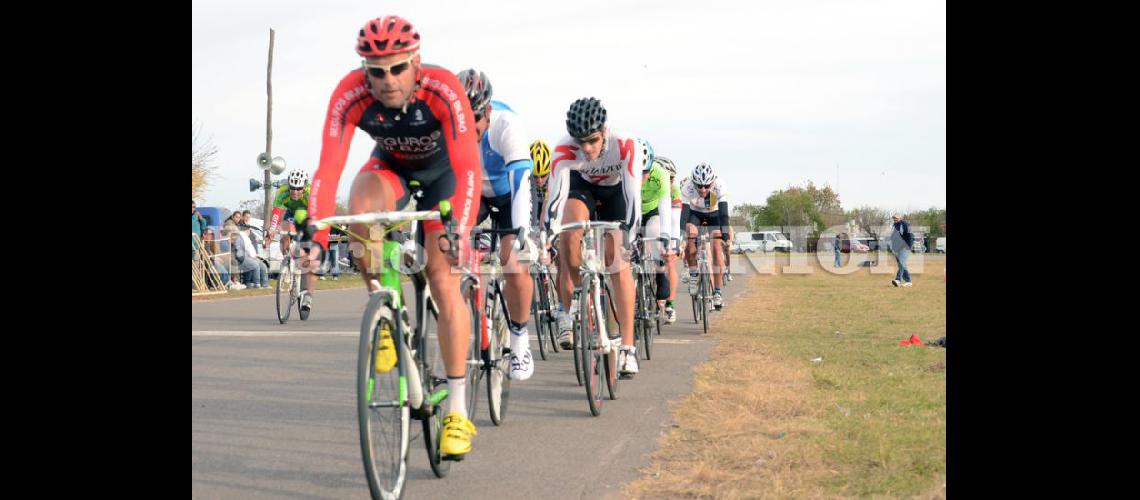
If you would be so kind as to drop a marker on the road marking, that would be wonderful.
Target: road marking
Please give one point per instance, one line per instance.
(677, 341)
(232, 333)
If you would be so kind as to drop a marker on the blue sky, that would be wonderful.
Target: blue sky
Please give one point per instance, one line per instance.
(770, 93)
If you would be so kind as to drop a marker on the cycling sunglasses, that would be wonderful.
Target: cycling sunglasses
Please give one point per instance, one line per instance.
(703, 186)
(379, 70)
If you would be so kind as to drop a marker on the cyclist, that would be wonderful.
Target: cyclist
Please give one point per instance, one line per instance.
(596, 175)
(506, 188)
(704, 204)
(539, 179)
(674, 233)
(290, 209)
(656, 217)
(425, 131)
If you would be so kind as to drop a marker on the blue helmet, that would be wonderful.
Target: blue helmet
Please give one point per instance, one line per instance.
(647, 153)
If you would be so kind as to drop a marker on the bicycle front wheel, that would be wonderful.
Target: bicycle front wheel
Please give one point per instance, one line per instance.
(475, 349)
(382, 410)
(588, 350)
(538, 305)
(706, 296)
(284, 291)
(498, 380)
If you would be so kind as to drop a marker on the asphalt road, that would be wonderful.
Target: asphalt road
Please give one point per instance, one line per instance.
(273, 411)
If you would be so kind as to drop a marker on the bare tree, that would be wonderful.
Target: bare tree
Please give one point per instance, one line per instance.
(869, 219)
(202, 162)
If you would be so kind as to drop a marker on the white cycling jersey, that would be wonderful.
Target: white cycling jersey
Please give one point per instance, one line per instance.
(620, 162)
(705, 204)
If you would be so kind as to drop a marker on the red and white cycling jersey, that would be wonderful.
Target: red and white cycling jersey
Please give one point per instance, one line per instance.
(620, 162)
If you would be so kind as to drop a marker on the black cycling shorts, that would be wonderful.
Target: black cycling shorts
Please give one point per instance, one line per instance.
(606, 203)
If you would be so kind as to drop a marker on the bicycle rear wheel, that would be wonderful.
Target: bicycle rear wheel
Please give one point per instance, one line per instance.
(433, 376)
(301, 313)
(284, 291)
(382, 411)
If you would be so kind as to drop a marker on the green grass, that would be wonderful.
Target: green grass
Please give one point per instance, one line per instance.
(766, 421)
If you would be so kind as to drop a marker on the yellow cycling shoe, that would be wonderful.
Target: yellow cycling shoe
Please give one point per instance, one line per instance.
(455, 441)
(386, 354)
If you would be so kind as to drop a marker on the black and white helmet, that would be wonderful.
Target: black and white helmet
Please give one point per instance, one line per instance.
(703, 175)
(666, 164)
(586, 116)
(298, 178)
(478, 88)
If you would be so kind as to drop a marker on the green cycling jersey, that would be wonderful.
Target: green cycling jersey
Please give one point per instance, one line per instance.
(654, 188)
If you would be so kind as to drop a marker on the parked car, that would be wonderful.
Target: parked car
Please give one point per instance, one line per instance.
(940, 245)
(763, 241)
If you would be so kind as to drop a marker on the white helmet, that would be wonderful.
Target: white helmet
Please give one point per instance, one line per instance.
(298, 178)
(703, 175)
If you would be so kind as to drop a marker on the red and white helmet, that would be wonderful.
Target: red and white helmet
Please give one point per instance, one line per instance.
(387, 35)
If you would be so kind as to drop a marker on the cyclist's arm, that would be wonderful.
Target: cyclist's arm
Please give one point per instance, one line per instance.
(664, 208)
(447, 101)
(631, 185)
(278, 211)
(346, 105)
(558, 187)
(677, 220)
(722, 212)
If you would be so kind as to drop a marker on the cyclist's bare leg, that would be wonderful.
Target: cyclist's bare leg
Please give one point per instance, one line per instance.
(691, 252)
(718, 260)
(570, 251)
(622, 284)
(286, 242)
(454, 319)
(717, 248)
(520, 287)
(370, 193)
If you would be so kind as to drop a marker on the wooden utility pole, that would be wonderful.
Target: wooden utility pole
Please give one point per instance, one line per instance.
(268, 130)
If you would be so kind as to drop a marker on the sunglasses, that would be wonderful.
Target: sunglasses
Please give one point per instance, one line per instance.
(704, 186)
(479, 114)
(588, 140)
(379, 70)
(291, 188)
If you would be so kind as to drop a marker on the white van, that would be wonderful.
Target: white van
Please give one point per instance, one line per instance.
(763, 241)
(940, 245)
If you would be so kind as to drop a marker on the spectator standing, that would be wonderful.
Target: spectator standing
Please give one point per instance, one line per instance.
(901, 242)
(197, 226)
(837, 246)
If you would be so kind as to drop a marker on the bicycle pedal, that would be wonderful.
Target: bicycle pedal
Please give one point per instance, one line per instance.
(453, 458)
